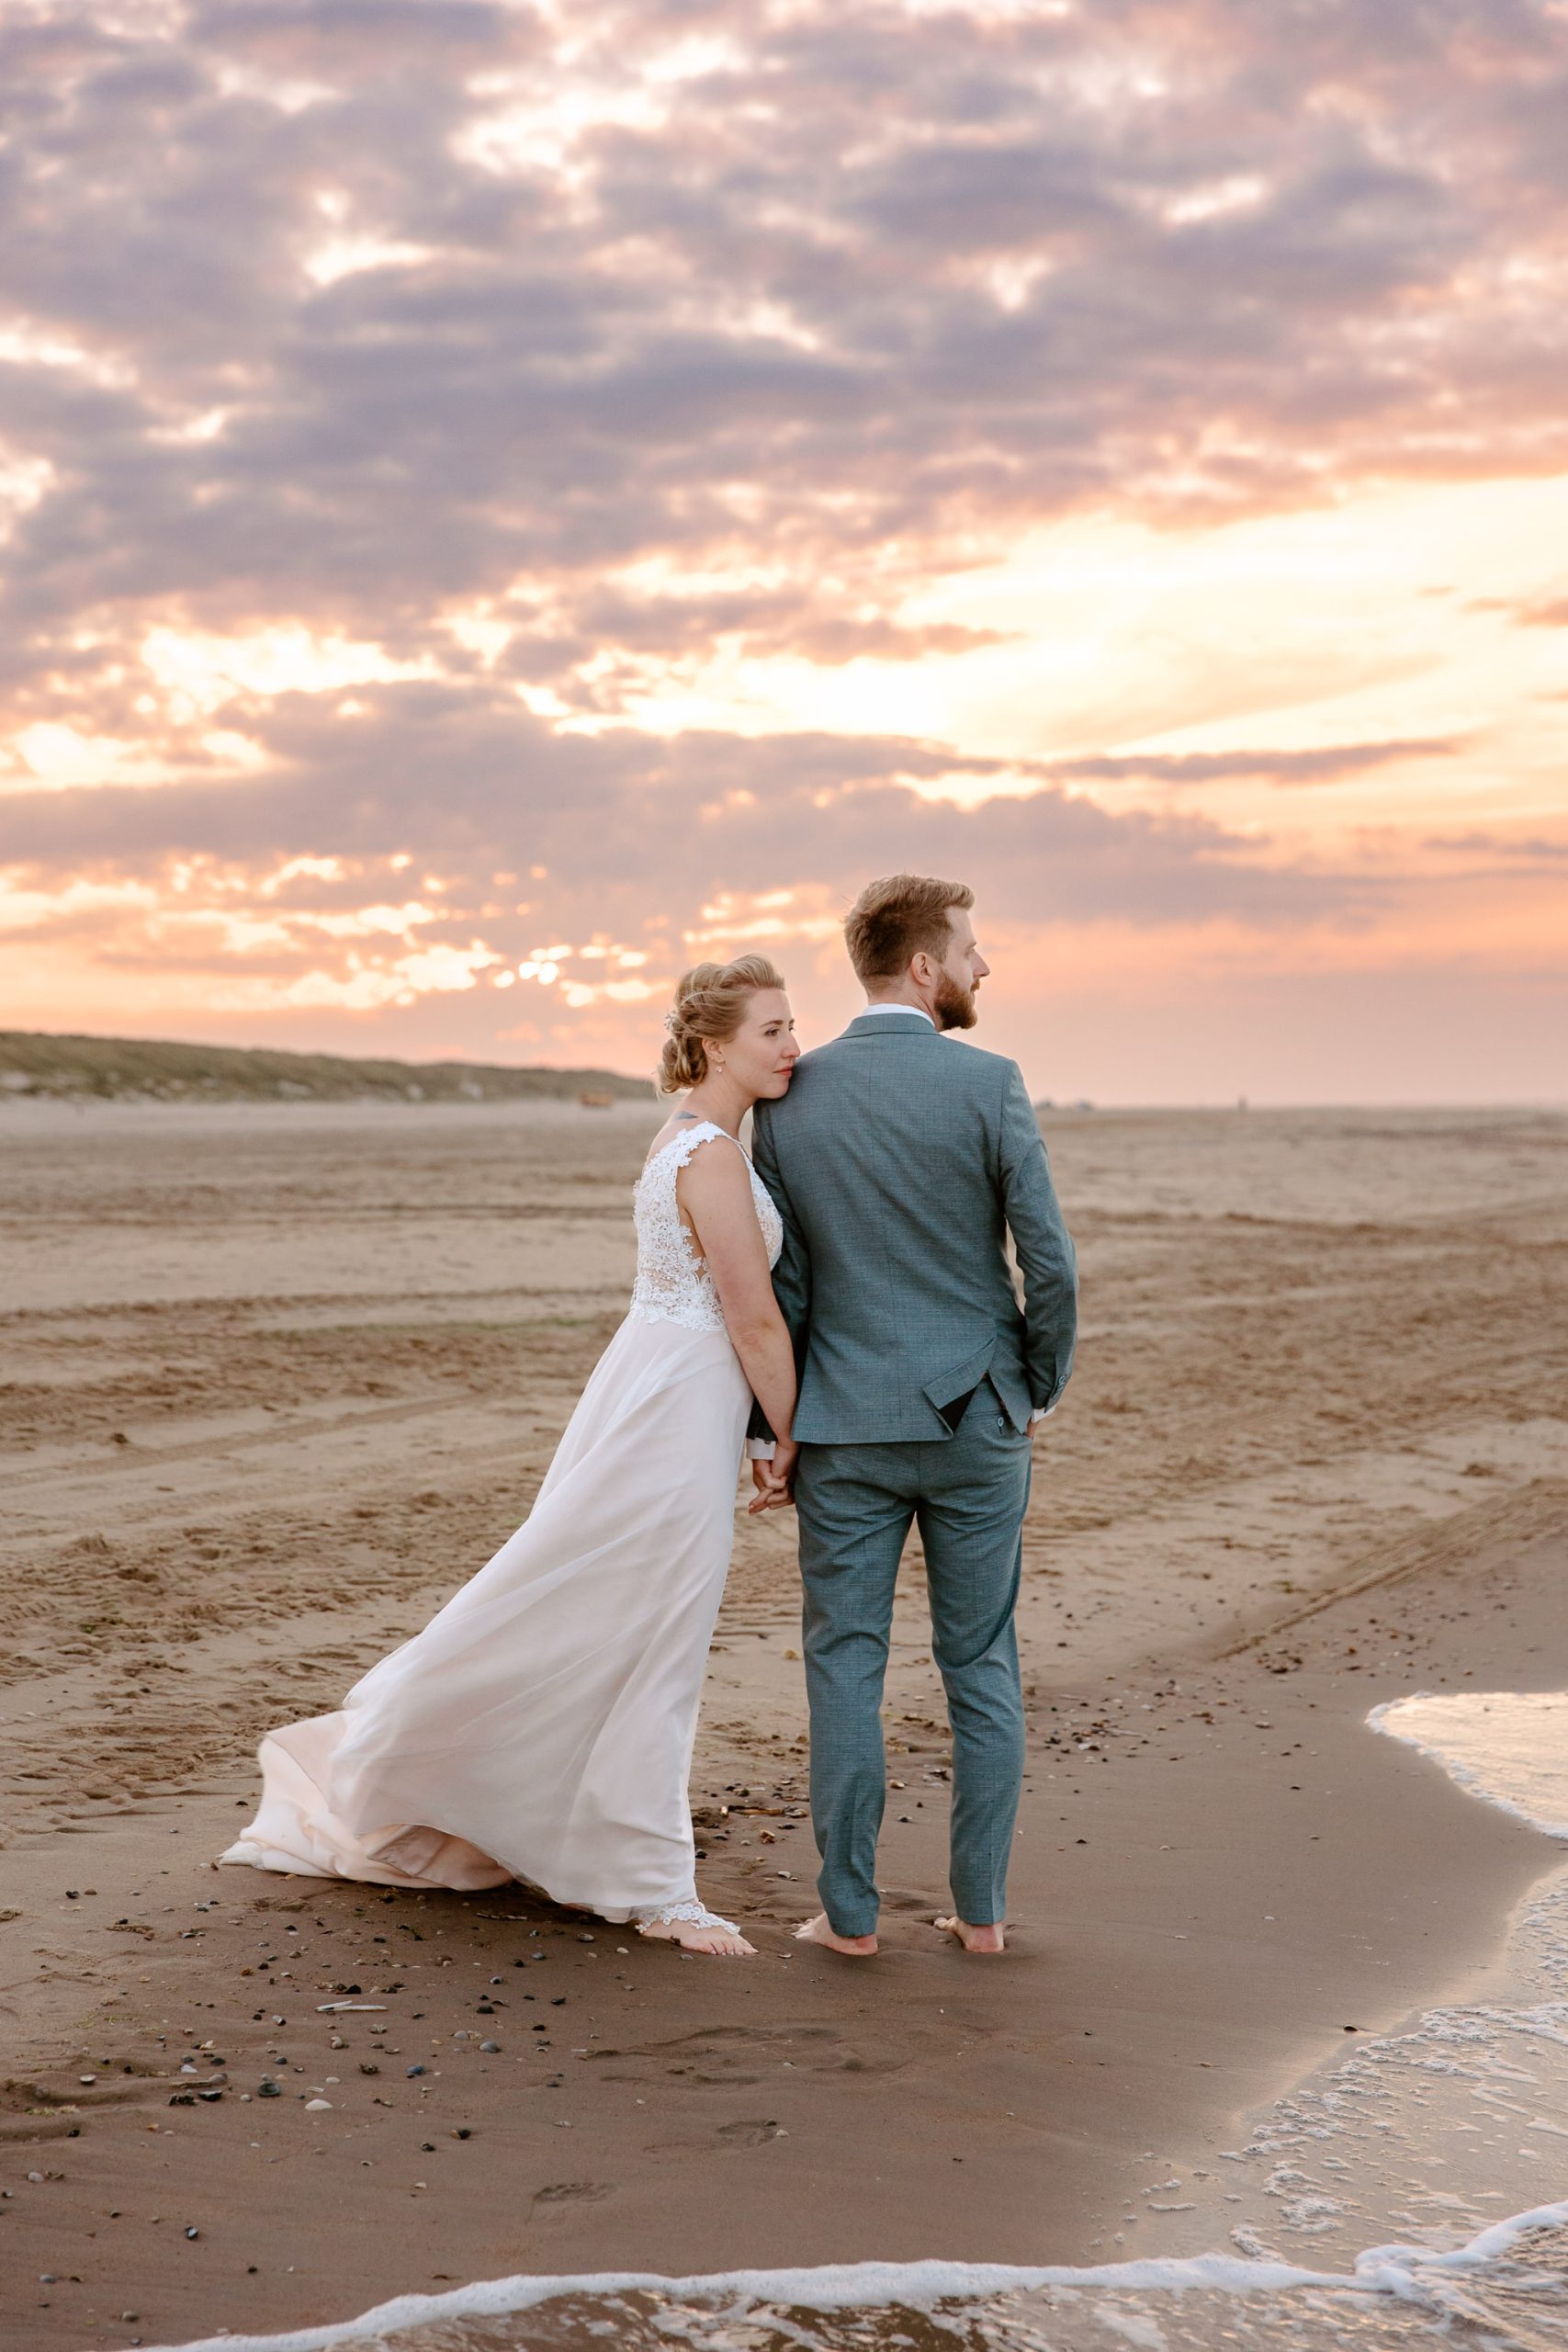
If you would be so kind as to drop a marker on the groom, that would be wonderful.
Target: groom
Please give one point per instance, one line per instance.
(900, 1163)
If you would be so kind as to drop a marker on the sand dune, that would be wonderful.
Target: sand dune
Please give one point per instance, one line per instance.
(73, 1069)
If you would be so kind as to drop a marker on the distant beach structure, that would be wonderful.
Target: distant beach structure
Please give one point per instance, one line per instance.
(597, 1102)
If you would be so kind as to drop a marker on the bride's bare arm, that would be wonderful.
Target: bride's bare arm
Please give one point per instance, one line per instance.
(714, 1190)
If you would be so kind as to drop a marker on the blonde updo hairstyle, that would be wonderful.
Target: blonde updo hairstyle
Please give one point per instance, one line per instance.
(710, 1004)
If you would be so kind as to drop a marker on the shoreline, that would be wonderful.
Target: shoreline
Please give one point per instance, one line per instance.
(246, 1452)
(1198, 2026)
(1397, 2270)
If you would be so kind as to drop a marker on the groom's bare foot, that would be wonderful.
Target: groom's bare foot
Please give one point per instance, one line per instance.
(818, 1931)
(990, 1939)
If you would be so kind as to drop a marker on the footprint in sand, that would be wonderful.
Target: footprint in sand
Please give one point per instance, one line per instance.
(739, 2055)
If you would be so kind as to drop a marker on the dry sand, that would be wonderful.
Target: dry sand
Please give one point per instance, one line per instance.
(276, 1381)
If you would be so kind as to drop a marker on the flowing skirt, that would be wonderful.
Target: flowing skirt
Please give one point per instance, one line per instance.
(541, 1725)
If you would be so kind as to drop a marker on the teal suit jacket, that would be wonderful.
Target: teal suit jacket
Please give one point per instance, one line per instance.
(900, 1160)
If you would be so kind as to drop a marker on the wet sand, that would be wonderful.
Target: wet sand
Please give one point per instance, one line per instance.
(277, 1381)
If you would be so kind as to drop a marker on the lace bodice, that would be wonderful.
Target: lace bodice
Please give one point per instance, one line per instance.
(673, 1285)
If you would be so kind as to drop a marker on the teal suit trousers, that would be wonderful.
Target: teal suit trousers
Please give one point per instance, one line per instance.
(966, 1494)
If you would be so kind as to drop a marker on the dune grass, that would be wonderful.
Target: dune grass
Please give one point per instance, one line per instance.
(142, 1069)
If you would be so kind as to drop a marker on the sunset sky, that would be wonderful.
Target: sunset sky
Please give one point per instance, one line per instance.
(497, 501)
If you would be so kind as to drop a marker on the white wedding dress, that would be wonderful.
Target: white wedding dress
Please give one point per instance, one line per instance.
(541, 1725)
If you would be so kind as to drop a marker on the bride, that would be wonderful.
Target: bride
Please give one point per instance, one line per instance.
(541, 1725)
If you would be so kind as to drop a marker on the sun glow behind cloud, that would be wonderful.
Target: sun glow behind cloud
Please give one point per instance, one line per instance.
(199, 672)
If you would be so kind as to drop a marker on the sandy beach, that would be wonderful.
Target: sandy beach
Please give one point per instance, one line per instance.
(276, 1381)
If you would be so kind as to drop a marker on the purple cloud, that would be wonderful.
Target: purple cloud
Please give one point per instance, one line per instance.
(357, 314)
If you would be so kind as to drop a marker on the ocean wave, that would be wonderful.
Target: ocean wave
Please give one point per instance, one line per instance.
(1510, 1747)
(963, 2295)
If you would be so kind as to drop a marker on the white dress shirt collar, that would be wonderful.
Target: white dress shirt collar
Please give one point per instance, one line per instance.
(918, 1009)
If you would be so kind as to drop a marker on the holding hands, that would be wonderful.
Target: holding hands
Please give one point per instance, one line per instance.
(774, 1480)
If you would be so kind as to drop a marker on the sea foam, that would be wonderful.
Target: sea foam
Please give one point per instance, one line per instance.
(1411, 2274)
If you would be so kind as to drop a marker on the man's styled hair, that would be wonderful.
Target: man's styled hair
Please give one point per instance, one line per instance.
(897, 918)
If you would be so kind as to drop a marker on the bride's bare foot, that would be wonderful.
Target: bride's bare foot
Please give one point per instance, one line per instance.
(818, 1931)
(723, 1942)
(990, 1939)
(696, 1928)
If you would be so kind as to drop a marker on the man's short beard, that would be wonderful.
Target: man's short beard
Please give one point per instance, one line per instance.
(955, 1007)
